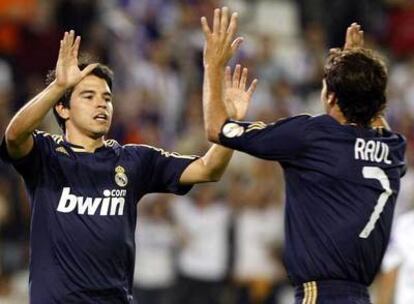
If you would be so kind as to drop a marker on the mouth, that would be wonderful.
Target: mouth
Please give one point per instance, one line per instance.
(103, 117)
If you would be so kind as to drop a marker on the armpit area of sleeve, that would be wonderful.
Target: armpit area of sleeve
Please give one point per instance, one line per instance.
(20, 164)
(178, 188)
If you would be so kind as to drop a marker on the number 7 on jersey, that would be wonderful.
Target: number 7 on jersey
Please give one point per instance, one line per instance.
(378, 174)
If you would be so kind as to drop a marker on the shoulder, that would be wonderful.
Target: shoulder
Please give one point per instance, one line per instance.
(52, 138)
(151, 151)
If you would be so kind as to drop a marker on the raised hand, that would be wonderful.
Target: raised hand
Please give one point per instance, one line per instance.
(236, 97)
(219, 44)
(354, 37)
(68, 73)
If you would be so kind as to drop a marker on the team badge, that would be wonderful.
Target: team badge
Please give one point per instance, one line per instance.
(120, 177)
(232, 129)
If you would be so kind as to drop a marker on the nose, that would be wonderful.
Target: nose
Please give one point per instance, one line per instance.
(101, 103)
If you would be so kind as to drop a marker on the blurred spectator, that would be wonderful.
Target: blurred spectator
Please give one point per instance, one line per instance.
(396, 282)
(156, 240)
(258, 232)
(202, 259)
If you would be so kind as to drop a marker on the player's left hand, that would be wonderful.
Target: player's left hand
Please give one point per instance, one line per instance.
(237, 98)
(219, 44)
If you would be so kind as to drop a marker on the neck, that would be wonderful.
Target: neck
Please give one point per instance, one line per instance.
(90, 144)
(337, 114)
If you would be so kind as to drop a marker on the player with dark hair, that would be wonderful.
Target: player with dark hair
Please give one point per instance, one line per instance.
(342, 168)
(84, 189)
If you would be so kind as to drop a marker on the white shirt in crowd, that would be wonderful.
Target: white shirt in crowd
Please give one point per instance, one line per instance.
(400, 255)
(205, 231)
(257, 231)
(154, 259)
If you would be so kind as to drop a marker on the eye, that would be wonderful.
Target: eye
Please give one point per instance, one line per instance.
(108, 99)
(88, 97)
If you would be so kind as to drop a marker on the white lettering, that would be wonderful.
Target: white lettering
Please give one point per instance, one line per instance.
(113, 201)
(374, 151)
(359, 148)
(105, 206)
(67, 202)
(89, 204)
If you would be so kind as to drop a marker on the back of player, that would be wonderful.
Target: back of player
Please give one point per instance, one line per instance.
(342, 180)
(342, 172)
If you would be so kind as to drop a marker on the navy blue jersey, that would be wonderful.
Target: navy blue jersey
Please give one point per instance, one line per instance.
(83, 215)
(341, 186)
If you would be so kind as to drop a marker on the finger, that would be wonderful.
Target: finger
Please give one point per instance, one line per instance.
(361, 37)
(232, 28)
(227, 77)
(205, 27)
(348, 36)
(71, 38)
(65, 44)
(75, 49)
(236, 76)
(216, 21)
(252, 87)
(224, 20)
(89, 69)
(236, 44)
(243, 79)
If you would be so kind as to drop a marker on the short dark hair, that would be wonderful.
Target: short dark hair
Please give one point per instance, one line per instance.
(101, 71)
(358, 77)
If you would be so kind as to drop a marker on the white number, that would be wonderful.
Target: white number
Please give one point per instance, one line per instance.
(378, 174)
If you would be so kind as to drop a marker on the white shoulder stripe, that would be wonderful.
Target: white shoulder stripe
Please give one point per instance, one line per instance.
(163, 152)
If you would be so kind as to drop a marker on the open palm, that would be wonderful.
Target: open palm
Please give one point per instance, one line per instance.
(68, 73)
(237, 98)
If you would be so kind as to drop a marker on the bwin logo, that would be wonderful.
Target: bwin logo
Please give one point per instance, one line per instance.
(111, 204)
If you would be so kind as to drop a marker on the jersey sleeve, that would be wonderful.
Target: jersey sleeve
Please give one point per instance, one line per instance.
(163, 170)
(28, 166)
(282, 140)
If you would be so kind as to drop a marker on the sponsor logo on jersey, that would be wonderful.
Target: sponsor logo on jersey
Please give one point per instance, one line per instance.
(120, 177)
(112, 203)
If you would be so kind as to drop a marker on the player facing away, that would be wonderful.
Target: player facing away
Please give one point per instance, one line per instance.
(342, 173)
(84, 189)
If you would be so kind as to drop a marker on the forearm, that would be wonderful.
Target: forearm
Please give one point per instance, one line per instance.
(29, 117)
(215, 113)
(216, 160)
(208, 168)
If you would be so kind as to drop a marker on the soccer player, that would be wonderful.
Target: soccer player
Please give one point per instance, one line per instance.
(342, 173)
(84, 189)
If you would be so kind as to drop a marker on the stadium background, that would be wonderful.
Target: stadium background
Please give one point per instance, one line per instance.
(155, 49)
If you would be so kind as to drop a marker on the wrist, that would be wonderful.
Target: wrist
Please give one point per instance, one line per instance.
(57, 87)
(214, 67)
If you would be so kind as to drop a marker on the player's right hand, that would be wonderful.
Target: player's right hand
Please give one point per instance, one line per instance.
(68, 73)
(354, 37)
(219, 46)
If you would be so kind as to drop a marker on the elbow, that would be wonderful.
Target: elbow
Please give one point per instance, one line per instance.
(212, 134)
(11, 136)
(214, 177)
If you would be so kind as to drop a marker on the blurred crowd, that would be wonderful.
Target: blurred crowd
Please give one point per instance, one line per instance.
(224, 242)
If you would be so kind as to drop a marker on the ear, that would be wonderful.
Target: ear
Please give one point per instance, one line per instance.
(62, 111)
(331, 99)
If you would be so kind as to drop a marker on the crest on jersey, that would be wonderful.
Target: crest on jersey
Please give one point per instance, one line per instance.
(232, 129)
(120, 177)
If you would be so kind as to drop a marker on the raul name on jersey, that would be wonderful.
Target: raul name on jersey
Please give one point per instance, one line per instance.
(371, 150)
